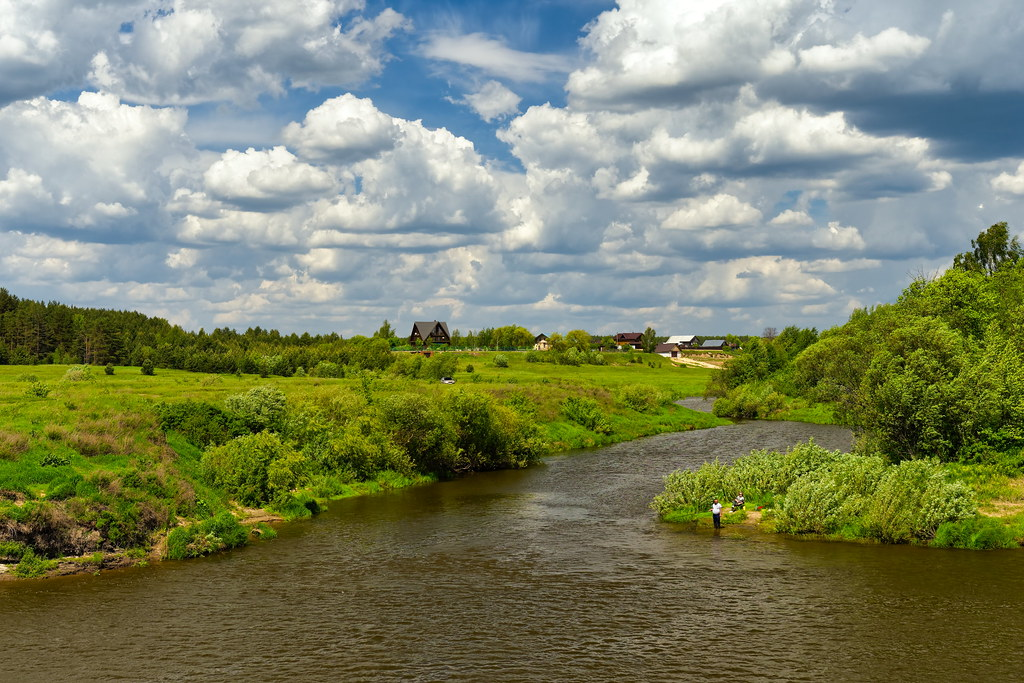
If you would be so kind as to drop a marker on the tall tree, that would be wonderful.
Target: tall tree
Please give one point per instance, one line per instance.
(385, 331)
(991, 251)
(650, 340)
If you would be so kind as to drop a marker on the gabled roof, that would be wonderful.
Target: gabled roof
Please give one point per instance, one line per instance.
(425, 329)
(712, 342)
(681, 339)
(628, 336)
(665, 347)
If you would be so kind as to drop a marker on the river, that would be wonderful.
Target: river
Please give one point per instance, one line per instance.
(555, 573)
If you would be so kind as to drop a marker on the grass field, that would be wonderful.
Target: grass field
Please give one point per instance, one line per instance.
(84, 463)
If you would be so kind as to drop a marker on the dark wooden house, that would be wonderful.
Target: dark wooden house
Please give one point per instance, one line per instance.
(629, 339)
(432, 332)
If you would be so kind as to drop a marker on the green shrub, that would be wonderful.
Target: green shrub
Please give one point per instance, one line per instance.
(202, 424)
(363, 449)
(147, 367)
(693, 491)
(976, 533)
(109, 369)
(500, 361)
(293, 506)
(912, 499)
(491, 436)
(261, 408)
(829, 499)
(33, 566)
(327, 369)
(422, 429)
(78, 373)
(750, 401)
(12, 550)
(243, 467)
(38, 389)
(209, 536)
(642, 398)
(469, 368)
(585, 412)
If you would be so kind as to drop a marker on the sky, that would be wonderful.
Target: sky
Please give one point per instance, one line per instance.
(697, 166)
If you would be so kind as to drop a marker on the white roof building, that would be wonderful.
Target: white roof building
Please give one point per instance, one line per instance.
(678, 339)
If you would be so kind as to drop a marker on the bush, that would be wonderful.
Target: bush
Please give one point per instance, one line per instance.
(828, 500)
(327, 369)
(438, 366)
(585, 412)
(33, 566)
(243, 468)
(501, 361)
(419, 426)
(38, 389)
(261, 408)
(12, 550)
(209, 536)
(296, 506)
(913, 499)
(109, 369)
(693, 491)
(78, 373)
(147, 367)
(827, 492)
(750, 401)
(469, 368)
(491, 436)
(202, 424)
(363, 449)
(642, 398)
(976, 533)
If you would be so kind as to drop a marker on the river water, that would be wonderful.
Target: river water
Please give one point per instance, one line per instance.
(555, 573)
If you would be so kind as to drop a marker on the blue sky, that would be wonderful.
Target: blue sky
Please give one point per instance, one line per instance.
(700, 166)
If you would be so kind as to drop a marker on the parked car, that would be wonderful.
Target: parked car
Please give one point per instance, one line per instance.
(447, 380)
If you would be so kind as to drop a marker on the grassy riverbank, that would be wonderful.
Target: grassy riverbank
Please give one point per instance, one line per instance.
(119, 466)
(811, 492)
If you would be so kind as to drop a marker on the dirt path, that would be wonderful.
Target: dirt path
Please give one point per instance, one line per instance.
(693, 362)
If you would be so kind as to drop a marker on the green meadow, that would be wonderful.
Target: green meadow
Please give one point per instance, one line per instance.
(125, 463)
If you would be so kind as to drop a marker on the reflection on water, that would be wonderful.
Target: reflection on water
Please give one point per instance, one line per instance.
(556, 573)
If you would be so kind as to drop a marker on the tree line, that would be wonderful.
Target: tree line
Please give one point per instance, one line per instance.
(32, 332)
(939, 373)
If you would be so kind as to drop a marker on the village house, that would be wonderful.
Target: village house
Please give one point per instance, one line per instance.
(683, 341)
(541, 343)
(667, 350)
(629, 339)
(432, 332)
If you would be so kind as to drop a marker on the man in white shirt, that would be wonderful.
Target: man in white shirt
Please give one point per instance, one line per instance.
(716, 513)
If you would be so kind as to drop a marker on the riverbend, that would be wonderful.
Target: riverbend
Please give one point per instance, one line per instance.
(559, 572)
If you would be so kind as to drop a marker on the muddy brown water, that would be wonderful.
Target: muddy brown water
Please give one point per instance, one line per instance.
(555, 573)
